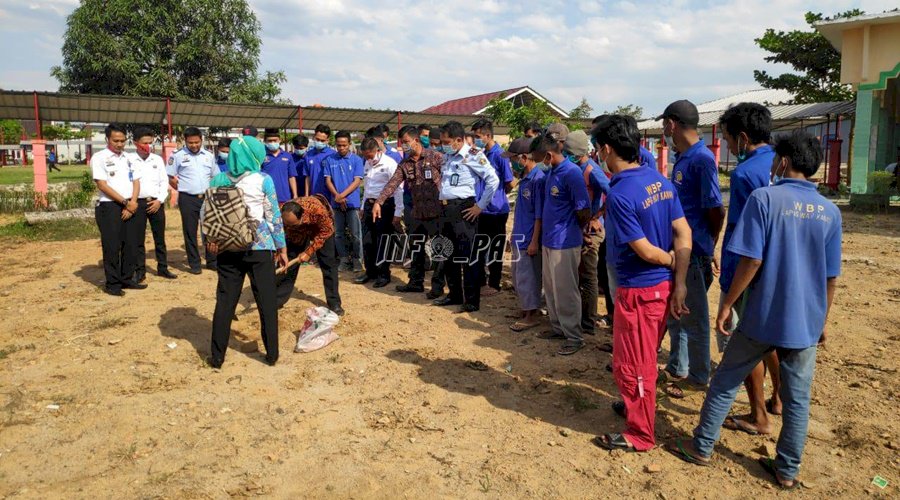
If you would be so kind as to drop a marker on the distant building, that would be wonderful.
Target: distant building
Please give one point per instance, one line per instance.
(477, 104)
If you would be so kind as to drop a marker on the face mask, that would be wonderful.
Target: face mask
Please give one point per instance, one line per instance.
(479, 143)
(300, 152)
(572, 158)
(143, 149)
(407, 149)
(776, 178)
(517, 167)
(223, 156)
(425, 140)
(448, 149)
(272, 146)
(670, 142)
(319, 145)
(741, 154)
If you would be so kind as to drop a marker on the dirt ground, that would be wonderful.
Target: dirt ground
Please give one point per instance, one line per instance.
(95, 404)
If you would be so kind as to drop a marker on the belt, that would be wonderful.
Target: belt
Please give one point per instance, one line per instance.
(457, 201)
(150, 199)
(180, 193)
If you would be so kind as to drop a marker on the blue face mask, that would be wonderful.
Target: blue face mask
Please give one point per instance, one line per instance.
(573, 159)
(479, 143)
(447, 149)
(741, 154)
(425, 140)
(300, 152)
(272, 146)
(223, 156)
(517, 167)
(320, 145)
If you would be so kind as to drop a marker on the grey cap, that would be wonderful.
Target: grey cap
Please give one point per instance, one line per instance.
(520, 146)
(560, 129)
(577, 143)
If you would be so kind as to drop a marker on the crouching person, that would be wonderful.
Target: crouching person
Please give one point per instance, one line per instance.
(244, 246)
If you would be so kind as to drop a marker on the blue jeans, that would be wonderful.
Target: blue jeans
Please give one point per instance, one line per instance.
(342, 221)
(741, 356)
(690, 335)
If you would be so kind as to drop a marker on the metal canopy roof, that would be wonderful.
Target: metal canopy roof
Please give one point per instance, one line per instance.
(50, 106)
(783, 116)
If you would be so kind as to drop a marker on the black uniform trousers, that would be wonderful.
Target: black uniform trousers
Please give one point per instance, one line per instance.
(327, 259)
(118, 249)
(232, 268)
(422, 231)
(603, 279)
(494, 227)
(376, 239)
(463, 271)
(189, 205)
(158, 228)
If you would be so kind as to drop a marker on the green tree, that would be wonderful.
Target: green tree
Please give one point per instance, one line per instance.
(12, 131)
(632, 110)
(504, 112)
(816, 63)
(190, 49)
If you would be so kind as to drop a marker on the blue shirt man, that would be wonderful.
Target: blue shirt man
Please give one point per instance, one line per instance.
(751, 174)
(299, 162)
(499, 203)
(598, 184)
(222, 164)
(641, 204)
(280, 167)
(312, 170)
(529, 207)
(564, 194)
(194, 170)
(696, 177)
(647, 159)
(343, 170)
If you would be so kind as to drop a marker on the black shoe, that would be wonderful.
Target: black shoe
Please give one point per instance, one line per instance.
(165, 273)
(468, 308)
(114, 292)
(338, 310)
(345, 266)
(448, 301)
(381, 282)
(271, 361)
(134, 285)
(410, 288)
(568, 349)
(362, 279)
(194, 270)
(140, 279)
(211, 267)
(216, 364)
(433, 294)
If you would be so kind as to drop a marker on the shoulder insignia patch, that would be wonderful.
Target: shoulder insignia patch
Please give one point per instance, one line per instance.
(172, 160)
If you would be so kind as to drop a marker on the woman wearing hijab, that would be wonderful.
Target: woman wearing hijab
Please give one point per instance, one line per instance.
(244, 161)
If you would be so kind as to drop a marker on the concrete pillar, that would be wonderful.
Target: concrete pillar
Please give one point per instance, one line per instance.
(169, 149)
(864, 144)
(39, 153)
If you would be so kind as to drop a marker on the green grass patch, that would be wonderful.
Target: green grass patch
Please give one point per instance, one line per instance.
(64, 230)
(25, 175)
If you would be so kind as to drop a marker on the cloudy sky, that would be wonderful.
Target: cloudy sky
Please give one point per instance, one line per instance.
(409, 55)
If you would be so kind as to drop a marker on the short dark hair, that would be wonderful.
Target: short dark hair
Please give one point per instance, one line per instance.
(453, 129)
(803, 149)
(323, 128)
(619, 132)
(224, 142)
(271, 132)
(368, 144)
(343, 134)
(435, 133)
(114, 127)
(544, 143)
(294, 208)
(483, 125)
(534, 127)
(142, 131)
(423, 127)
(381, 129)
(597, 119)
(753, 119)
(411, 130)
(192, 132)
(300, 141)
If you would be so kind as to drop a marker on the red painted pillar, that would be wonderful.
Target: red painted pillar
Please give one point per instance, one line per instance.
(39, 152)
(662, 157)
(300, 118)
(399, 122)
(169, 149)
(715, 145)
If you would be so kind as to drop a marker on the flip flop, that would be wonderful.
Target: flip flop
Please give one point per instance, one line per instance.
(679, 451)
(673, 390)
(477, 365)
(606, 347)
(612, 442)
(739, 424)
(521, 326)
(769, 466)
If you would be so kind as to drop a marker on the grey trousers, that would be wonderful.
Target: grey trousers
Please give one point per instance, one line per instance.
(560, 275)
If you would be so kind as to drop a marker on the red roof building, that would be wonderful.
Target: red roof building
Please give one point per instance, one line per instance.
(476, 104)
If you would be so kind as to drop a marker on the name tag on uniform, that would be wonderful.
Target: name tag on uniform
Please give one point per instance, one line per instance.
(428, 174)
(454, 180)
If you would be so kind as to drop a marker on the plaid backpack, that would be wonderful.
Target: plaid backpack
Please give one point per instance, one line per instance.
(226, 217)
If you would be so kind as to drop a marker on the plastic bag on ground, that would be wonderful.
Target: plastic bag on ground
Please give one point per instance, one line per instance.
(318, 331)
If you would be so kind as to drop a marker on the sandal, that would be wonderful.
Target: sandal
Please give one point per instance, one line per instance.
(769, 466)
(606, 347)
(739, 424)
(612, 442)
(521, 326)
(673, 390)
(679, 451)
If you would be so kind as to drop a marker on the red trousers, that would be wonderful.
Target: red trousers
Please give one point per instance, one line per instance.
(638, 328)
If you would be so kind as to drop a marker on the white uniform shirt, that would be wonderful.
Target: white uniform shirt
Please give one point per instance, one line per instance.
(378, 172)
(154, 180)
(116, 171)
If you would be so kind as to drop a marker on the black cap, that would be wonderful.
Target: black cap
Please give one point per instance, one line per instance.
(249, 130)
(682, 111)
(520, 146)
(270, 132)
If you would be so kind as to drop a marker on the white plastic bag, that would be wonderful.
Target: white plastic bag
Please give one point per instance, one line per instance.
(318, 331)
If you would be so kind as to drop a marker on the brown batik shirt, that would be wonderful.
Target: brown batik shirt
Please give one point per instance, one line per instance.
(423, 180)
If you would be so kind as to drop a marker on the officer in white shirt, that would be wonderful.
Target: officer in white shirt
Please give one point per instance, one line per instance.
(151, 203)
(190, 169)
(119, 187)
(379, 169)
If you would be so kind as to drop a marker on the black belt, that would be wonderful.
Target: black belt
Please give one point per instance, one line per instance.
(458, 201)
(189, 194)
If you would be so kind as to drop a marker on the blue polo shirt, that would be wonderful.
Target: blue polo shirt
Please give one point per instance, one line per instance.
(343, 170)
(222, 164)
(312, 168)
(564, 194)
(393, 153)
(796, 233)
(499, 203)
(696, 177)
(529, 205)
(641, 204)
(751, 174)
(647, 159)
(280, 168)
(598, 184)
(299, 163)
